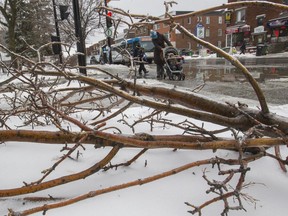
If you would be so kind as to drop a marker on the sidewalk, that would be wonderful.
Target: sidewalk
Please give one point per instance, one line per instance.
(247, 55)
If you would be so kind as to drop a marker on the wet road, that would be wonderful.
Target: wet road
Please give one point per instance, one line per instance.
(223, 79)
(220, 77)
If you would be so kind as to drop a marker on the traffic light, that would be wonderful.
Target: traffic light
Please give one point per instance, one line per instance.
(63, 11)
(56, 48)
(109, 19)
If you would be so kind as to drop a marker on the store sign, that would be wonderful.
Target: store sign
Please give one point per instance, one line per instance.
(259, 29)
(228, 17)
(200, 30)
(276, 23)
(232, 30)
(276, 32)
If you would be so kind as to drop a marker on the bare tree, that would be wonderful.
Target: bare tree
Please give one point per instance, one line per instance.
(26, 22)
(90, 19)
(9, 11)
(36, 99)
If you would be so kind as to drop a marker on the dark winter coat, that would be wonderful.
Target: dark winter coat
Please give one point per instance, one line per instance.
(139, 52)
(159, 44)
(243, 46)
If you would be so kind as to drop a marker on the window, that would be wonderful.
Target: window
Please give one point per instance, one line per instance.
(241, 15)
(156, 27)
(189, 45)
(167, 35)
(207, 32)
(199, 19)
(189, 20)
(220, 19)
(219, 32)
(165, 25)
(219, 44)
(260, 19)
(207, 20)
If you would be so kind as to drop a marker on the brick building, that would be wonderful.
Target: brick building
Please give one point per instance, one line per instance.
(256, 25)
(209, 26)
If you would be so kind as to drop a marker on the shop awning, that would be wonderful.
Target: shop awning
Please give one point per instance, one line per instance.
(237, 29)
(244, 28)
(278, 22)
(232, 29)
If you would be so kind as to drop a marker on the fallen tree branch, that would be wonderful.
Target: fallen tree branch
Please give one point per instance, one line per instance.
(91, 194)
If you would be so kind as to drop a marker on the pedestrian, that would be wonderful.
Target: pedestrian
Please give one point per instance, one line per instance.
(243, 48)
(159, 41)
(139, 53)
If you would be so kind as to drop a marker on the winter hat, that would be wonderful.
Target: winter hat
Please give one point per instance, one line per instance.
(153, 34)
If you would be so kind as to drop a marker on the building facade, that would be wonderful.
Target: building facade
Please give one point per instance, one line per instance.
(226, 28)
(257, 25)
(209, 27)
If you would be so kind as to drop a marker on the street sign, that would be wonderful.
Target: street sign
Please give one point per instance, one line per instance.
(200, 30)
(108, 32)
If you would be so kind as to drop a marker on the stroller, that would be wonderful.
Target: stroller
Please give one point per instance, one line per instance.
(173, 64)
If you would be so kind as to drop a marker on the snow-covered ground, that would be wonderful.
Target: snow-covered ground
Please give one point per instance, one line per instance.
(23, 162)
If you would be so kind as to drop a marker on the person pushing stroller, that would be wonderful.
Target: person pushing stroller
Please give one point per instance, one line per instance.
(159, 41)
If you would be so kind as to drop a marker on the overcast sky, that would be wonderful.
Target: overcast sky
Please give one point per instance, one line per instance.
(156, 7)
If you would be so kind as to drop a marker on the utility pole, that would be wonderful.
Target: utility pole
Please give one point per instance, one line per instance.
(80, 38)
(108, 20)
(57, 47)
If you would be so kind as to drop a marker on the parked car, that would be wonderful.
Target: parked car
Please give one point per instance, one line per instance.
(119, 55)
(117, 58)
(186, 52)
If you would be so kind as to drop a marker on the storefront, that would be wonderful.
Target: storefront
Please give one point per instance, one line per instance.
(235, 35)
(259, 35)
(278, 29)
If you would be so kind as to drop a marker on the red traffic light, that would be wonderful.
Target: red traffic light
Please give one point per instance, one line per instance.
(109, 22)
